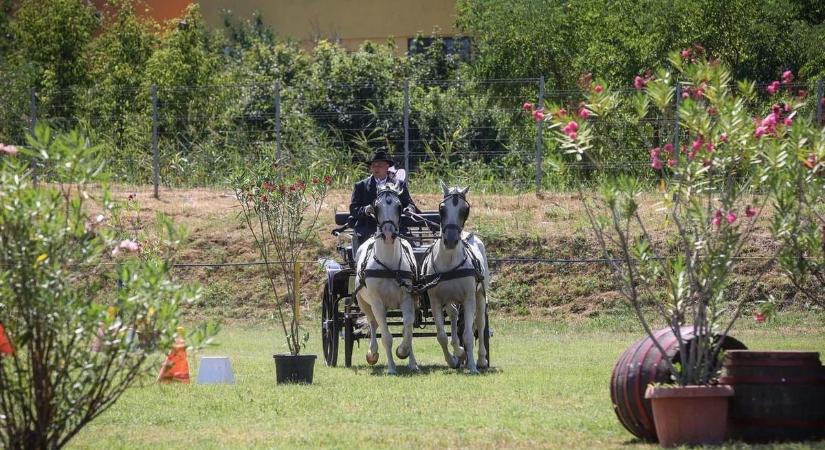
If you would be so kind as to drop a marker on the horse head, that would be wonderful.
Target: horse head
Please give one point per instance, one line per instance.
(387, 209)
(454, 210)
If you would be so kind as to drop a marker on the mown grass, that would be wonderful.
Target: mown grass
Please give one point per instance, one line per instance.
(548, 389)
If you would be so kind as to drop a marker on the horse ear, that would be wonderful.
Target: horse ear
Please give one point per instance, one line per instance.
(465, 191)
(445, 188)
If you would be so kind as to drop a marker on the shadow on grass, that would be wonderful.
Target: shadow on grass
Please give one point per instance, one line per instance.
(423, 369)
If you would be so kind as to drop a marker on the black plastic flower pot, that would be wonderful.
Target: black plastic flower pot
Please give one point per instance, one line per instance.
(294, 368)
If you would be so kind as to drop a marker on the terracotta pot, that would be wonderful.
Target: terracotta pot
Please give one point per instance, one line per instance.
(690, 415)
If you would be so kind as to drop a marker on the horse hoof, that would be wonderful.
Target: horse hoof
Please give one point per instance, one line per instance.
(372, 358)
(474, 372)
(401, 355)
(414, 368)
(391, 372)
(453, 362)
(482, 363)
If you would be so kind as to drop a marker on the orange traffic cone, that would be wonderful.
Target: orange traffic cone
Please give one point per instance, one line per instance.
(176, 366)
(5, 344)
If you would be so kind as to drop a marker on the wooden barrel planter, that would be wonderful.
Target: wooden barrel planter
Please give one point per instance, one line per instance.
(779, 396)
(641, 364)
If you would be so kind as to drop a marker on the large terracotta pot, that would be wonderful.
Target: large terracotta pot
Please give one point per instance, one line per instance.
(690, 415)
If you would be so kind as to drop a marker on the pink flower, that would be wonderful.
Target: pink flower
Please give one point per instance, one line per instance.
(731, 217)
(760, 131)
(561, 112)
(712, 111)
(773, 88)
(709, 146)
(717, 218)
(759, 317)
(527, 106)
(697, 144)
(538, 115)
(572, 135)
(639, 83)
(698, 93)
(656, 163)
(788, 121)
(327, 179)
(749, 211)
(654, 152)
(685, 53)
(668, 148)
(769, 121)
(692, 154)
(685, 94)
(584, 113)
(787, 77)
(571, 127)
(128, 246)
(671, 163)
(9, 150)
(723, 137)
(598, 89)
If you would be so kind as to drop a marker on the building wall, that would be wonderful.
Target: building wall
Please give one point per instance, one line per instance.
(347, 22)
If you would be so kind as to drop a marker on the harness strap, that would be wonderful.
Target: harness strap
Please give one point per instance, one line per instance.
(427, 282)
(405, 278)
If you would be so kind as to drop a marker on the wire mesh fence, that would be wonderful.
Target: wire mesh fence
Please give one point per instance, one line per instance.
(184, 136)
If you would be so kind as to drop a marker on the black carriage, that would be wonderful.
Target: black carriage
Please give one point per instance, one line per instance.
(339, 307)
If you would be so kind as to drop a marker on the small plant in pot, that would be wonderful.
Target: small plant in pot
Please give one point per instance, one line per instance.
(710, 169)
(280, 206)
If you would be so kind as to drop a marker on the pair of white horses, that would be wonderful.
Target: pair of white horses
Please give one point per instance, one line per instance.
(385, 264)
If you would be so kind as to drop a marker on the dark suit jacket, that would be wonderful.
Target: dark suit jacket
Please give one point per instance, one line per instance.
(363, 194)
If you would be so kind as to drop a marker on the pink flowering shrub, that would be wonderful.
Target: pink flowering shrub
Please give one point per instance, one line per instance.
(709, 178)
(280, 207)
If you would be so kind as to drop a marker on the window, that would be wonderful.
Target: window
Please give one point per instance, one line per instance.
(452, 46)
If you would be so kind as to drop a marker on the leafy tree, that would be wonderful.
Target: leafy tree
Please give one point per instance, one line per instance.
(78, 342)
(52, 36)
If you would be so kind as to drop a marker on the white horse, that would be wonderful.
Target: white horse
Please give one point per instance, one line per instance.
(458, 261)
(385, 269)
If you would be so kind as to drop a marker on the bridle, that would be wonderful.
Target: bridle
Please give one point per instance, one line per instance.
(377, 203)
(465, 212)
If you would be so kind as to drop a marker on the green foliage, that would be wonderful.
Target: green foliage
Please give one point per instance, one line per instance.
(708, 200)
(76, 351)
(280, 206)
(51, 36)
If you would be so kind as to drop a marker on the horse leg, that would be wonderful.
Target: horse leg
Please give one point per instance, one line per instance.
(405, 349)
(372, 352)
(386, 336)
(481, 309)
(458, 350)
(469, 324)
(441, 335)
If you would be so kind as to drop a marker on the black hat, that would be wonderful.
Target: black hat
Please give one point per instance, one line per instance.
(380, 155)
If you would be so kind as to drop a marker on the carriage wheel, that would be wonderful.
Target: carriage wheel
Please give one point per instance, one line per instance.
(330, 326)
(349, 337)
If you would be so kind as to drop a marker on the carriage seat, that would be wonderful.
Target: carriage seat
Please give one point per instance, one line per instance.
(342, 218)
(419, 234)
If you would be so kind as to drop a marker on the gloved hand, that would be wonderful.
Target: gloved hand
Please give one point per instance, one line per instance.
(410, 209)
(369, 210)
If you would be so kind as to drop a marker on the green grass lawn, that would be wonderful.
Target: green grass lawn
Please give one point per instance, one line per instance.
(548, 389)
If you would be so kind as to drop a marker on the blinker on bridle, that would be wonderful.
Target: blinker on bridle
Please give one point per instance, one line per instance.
(465, 212)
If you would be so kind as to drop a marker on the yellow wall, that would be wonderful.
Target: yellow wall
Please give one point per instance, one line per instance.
(349, 22)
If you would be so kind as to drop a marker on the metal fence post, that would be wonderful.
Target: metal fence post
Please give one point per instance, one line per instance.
(819, 102)
(539, 143)
(676, 134)
(32, 125)
(155, 155)
(33, 118)
(278, 144)
(407, 125)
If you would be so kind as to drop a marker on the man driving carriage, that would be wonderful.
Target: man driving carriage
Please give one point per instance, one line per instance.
(364, 193)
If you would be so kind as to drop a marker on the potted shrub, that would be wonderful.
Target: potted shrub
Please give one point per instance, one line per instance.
(707, 213)
(280, 207)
